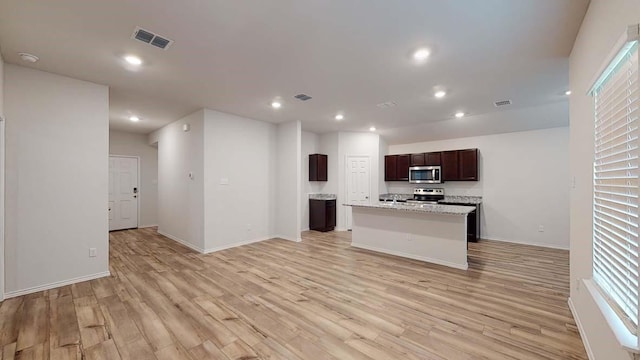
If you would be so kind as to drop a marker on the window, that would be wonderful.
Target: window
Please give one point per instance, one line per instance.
(615, 182)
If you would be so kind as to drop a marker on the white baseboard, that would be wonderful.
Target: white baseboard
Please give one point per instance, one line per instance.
(528, 243)
(236, 244)
(213, 249)
(146, 226)
(298, 239)
(35, 289)
(183, 242)
(411, 256)
(583, 334)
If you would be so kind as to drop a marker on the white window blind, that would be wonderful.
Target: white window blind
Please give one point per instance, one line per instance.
(615, 184)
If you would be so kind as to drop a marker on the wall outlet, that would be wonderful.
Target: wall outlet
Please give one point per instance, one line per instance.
(541, 228)
(93, 252)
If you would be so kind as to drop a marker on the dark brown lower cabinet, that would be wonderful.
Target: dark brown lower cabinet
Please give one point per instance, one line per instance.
(473, 221)
(322, 215)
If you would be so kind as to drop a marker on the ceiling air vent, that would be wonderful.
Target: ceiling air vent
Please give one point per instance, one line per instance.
(302, 97)
(386, 105)
(148, 37)
(502, 103)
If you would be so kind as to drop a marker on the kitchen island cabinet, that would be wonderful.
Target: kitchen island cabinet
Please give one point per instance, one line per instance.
(432, 233)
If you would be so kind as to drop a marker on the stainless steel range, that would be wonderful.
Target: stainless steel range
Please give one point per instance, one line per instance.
(427, 196)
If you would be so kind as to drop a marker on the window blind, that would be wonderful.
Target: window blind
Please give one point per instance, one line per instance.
(615, 184)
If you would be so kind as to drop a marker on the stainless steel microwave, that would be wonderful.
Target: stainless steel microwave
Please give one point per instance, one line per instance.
(425, 175)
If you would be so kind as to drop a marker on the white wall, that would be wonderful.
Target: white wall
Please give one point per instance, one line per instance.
(241, 152)
(356, 143)
(56, 179)
(524, 182)
(288, 181)
(605, 22)
(122, 143)
(180, 198)
(310, 145)
(328, 145)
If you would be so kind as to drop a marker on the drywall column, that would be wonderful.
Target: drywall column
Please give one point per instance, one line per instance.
(181, 180)
(2, 172)
(57, 152)
(288, 183)
(605, 22)
(240, 186)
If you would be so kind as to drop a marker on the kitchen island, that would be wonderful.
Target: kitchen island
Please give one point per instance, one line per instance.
(428, 232)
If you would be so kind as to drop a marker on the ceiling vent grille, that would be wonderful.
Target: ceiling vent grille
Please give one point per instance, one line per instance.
(502, 103)
(150, 38)
(302, 97)
(386, 105)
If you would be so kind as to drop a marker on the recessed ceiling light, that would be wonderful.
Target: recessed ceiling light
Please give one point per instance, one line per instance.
(134, 118)
(373, 128)
(440, 94)
(339, 117)
(421, 54)
(459, 114)
(276, 105)
(133, 60)
(28, 57)
(568, 92)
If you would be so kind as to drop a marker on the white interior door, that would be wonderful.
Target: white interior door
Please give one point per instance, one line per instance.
(358, 183)
(123, 192)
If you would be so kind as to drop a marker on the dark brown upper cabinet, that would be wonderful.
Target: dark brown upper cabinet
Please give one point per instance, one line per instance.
(432, 159)
(396, 167)
(318, 167)
(402, 167)
(417, 159)
(468, 163)
(457, 165)
(390, 164)
(450, 166)
(460, 165)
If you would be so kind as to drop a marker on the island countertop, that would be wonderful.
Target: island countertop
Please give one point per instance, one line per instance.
(425, 208)
(460, 199)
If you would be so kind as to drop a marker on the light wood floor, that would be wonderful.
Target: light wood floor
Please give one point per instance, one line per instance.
(319, 299)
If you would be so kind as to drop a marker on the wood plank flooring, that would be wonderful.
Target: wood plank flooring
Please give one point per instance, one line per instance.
(319, 299)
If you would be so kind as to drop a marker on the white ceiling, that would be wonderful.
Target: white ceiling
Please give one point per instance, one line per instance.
(237, 56)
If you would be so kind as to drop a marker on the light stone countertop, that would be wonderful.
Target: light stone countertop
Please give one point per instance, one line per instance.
(322, 196)
(474, 200)
(424, 208)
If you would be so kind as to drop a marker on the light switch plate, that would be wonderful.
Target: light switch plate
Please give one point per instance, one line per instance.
(93, 252)
(224, 181)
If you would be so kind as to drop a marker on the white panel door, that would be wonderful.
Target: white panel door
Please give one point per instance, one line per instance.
(358, 183)
(123, 192)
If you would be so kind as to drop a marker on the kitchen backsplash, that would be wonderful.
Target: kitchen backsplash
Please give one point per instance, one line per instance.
(471, 188)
